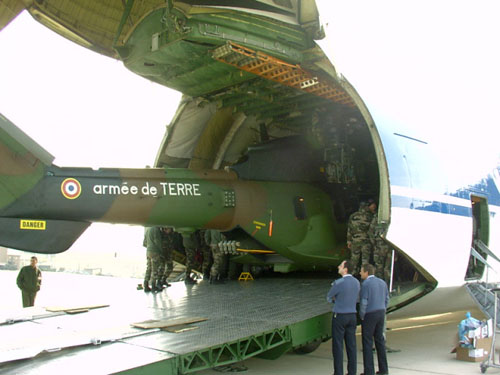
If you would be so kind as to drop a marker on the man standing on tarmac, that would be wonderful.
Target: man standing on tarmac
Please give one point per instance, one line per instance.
(29, 280)
(374, 298)
(344, 295)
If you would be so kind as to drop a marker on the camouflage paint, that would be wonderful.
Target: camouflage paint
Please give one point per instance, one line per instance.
(45, 208)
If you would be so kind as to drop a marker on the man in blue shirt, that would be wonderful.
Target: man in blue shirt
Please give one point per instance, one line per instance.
(374, 298)
(344, 295)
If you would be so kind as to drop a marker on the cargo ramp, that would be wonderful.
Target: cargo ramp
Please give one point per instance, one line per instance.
(231, 322)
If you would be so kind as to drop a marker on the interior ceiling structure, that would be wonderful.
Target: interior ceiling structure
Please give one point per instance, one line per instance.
(101, 25)
(91, 23)
(248, 102)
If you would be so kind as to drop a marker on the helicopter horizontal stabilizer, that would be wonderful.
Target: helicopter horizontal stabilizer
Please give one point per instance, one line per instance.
(40, 236)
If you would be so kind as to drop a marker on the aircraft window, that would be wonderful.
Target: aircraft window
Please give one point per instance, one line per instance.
(300, 208)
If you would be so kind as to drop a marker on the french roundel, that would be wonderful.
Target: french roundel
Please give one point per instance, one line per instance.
(71, 188)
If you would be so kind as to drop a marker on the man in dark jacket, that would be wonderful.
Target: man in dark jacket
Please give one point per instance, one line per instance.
(29, 281)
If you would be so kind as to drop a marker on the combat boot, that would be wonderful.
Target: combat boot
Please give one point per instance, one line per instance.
(165, 283)
(154, 286)
(146, 286)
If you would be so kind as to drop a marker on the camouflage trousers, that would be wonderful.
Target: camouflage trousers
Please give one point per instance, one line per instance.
(167, 265)
(153, 268)
(207, 260)
(190, 261)
(382, 260)
(360, 250)
(218, 263)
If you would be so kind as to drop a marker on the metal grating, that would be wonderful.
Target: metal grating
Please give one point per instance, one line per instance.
(280, 71)
(236, 310)
(244, 319)
(484, 297)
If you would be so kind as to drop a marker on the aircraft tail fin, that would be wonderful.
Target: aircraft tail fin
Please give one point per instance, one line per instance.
(23, 162)
(23, 165)
(19, 142)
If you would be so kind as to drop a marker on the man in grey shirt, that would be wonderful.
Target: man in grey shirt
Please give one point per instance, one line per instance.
(374, 298)
(344, 295)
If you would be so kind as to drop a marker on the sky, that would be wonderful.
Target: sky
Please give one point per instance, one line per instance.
(87, 110)
(84, 108)
(434, 64)
(430, 65)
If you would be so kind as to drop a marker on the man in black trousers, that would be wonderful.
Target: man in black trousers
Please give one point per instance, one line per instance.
(29, 280)
(374, 298)
(344, 295)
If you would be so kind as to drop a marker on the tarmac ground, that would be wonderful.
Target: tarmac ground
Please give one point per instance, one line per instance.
(422, 347)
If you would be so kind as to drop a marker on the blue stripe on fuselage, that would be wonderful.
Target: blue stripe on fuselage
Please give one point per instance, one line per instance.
(432, 206)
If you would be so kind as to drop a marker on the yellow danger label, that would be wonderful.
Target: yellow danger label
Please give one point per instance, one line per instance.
(33, 224)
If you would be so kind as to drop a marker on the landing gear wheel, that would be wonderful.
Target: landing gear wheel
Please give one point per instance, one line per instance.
(309, 348)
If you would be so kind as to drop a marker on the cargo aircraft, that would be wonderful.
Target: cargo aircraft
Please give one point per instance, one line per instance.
(270, 144)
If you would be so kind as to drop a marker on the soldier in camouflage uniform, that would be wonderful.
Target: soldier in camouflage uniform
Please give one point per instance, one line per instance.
(168, 246)
(381, 250)
(207, 256)
(190, 242)
(357, 234)
(152, 238)
(213, 238)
